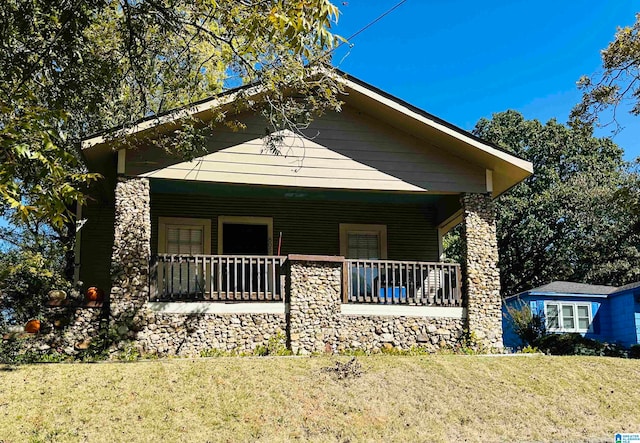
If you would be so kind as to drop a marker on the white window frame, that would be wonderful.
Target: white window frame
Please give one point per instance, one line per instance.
(180, 222)
(353, 228)
(244, 220)
(574, 306)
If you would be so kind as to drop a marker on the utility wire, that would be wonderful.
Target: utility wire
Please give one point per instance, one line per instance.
(383, 15)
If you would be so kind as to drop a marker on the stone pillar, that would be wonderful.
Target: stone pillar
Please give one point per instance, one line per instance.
(480, 267)
(313, 299)
(131, 252)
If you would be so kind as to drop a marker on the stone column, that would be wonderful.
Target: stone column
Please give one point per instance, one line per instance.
(480, 266)
(313, 298)
(131, 252)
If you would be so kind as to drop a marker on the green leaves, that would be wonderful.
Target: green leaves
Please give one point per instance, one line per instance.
(70, 69)
(574, 218)
(618, 84)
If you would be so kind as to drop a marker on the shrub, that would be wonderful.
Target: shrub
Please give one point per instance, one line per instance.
(576, 344)
(277, 345)
(530, 327)
(634, 351)
(26, 277)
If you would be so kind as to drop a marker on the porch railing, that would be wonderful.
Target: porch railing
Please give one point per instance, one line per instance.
(402, 283)
(216, 278)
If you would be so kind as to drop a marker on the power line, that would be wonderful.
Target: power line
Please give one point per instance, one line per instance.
(383, 15)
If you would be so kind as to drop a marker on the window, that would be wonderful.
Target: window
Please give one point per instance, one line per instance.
(366, 242)
(183, 237)
(363, 241)
(185, 240)
(568, 317)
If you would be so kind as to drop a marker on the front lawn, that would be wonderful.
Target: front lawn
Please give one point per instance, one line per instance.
(427, 398)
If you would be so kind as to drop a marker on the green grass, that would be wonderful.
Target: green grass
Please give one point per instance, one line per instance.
(423, 398)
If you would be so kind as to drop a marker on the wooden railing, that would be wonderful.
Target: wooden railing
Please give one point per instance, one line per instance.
(216, 278)
(402, 282)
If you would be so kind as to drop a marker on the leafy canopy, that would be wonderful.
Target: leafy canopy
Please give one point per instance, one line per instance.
(573, 219)
(617, 84)
(73, 68)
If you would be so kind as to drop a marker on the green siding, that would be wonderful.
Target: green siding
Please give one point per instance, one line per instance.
(96, 244)
(310, 227)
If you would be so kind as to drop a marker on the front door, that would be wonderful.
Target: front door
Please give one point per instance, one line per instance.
(245, 237)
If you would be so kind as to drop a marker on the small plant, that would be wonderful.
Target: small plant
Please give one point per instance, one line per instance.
(530, 350)
(276, 345)
(127, 352)
(469, 344)
(576, 344)
(213, 353)
(354, 352)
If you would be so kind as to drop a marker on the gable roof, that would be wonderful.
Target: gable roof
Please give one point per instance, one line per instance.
(628, 287)
(504, 169)
(568, 289)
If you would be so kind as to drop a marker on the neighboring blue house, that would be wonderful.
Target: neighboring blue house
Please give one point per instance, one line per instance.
(603, 313)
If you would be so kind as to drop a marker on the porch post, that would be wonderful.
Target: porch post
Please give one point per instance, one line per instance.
(480, 265)
(313, 300)
(131, 252)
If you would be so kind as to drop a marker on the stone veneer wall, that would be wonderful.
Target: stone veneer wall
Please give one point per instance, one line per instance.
(190, 334)
(68, 329)
(373, 333)
(315, 323)
(313, 291)
(131, 250)
(481, 276)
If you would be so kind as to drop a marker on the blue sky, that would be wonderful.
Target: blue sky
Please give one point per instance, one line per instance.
(463, 60)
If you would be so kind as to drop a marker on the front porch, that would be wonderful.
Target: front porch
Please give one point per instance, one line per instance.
(249, 278)
(235, 300)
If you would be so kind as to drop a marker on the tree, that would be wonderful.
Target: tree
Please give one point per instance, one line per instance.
(619, 82)
(31, 265)
(573, 218)
(70, 69)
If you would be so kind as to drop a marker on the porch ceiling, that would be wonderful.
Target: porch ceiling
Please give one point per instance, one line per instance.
(445, 204)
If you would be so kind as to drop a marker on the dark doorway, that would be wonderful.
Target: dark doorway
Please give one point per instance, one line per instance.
(245, 239)
(251, 276)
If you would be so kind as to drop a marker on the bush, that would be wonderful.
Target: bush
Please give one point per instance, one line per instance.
(528, 326)
(576, 344)
(26, 277)
(634, 351)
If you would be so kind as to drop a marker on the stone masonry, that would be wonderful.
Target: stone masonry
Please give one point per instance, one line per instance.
(131, 251)
(67, 329)
(192, 334)
(481, 276)
(315, 323)
(314, 288)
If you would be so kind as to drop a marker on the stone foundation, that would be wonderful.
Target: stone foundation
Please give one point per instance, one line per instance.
(190, 334)
(68, 329)
(373, 333)
(315, 323)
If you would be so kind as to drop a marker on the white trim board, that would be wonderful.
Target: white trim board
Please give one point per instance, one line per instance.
(404, 311)
(216, 308)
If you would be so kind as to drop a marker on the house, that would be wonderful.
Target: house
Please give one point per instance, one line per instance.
(603, 313)
(336, 244)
